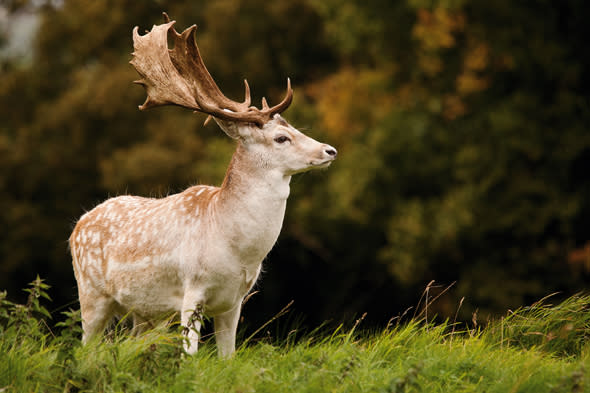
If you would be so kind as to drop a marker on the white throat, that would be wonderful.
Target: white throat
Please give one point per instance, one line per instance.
(251, 205)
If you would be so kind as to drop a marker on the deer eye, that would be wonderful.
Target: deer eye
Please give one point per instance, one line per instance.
(281, 139)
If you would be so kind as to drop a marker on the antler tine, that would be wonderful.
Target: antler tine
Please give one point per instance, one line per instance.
(281, 106)
(179, 77)
(247, 98)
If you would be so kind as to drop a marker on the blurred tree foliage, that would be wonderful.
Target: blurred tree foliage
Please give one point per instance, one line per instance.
(462, 126)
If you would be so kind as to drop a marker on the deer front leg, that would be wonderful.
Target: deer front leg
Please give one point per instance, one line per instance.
(191, 320)
(226, 325)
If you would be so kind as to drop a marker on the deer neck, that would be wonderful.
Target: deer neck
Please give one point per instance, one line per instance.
(252, 203)
(247, 175)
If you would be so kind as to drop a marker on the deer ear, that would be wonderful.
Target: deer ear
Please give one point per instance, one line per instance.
(231, 128)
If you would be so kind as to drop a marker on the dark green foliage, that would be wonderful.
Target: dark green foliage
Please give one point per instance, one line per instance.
(515, 353)
(29, 318)
(34, 354)
(562, 329)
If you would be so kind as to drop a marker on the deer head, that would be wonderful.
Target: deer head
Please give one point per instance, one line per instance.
(179, 77)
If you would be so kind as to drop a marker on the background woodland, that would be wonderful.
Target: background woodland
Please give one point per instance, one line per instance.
(463, 130)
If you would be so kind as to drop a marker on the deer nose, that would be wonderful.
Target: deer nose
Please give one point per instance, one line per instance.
(329, 150)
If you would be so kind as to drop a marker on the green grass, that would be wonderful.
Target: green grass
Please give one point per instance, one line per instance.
(541, 348)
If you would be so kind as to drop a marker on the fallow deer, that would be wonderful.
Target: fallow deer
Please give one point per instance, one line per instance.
(201, 250)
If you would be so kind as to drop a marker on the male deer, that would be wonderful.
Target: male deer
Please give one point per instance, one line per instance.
(199, 251)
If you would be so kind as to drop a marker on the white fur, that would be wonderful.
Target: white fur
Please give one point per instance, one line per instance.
(201, 249)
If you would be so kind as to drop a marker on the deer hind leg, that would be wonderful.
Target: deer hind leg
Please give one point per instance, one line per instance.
(96, 312)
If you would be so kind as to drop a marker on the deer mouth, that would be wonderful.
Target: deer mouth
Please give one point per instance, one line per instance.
(321, 164)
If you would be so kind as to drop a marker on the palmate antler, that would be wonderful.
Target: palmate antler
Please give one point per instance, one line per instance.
(179, 77)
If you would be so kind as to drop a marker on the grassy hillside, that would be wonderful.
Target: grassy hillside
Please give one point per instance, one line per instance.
(540, 348)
